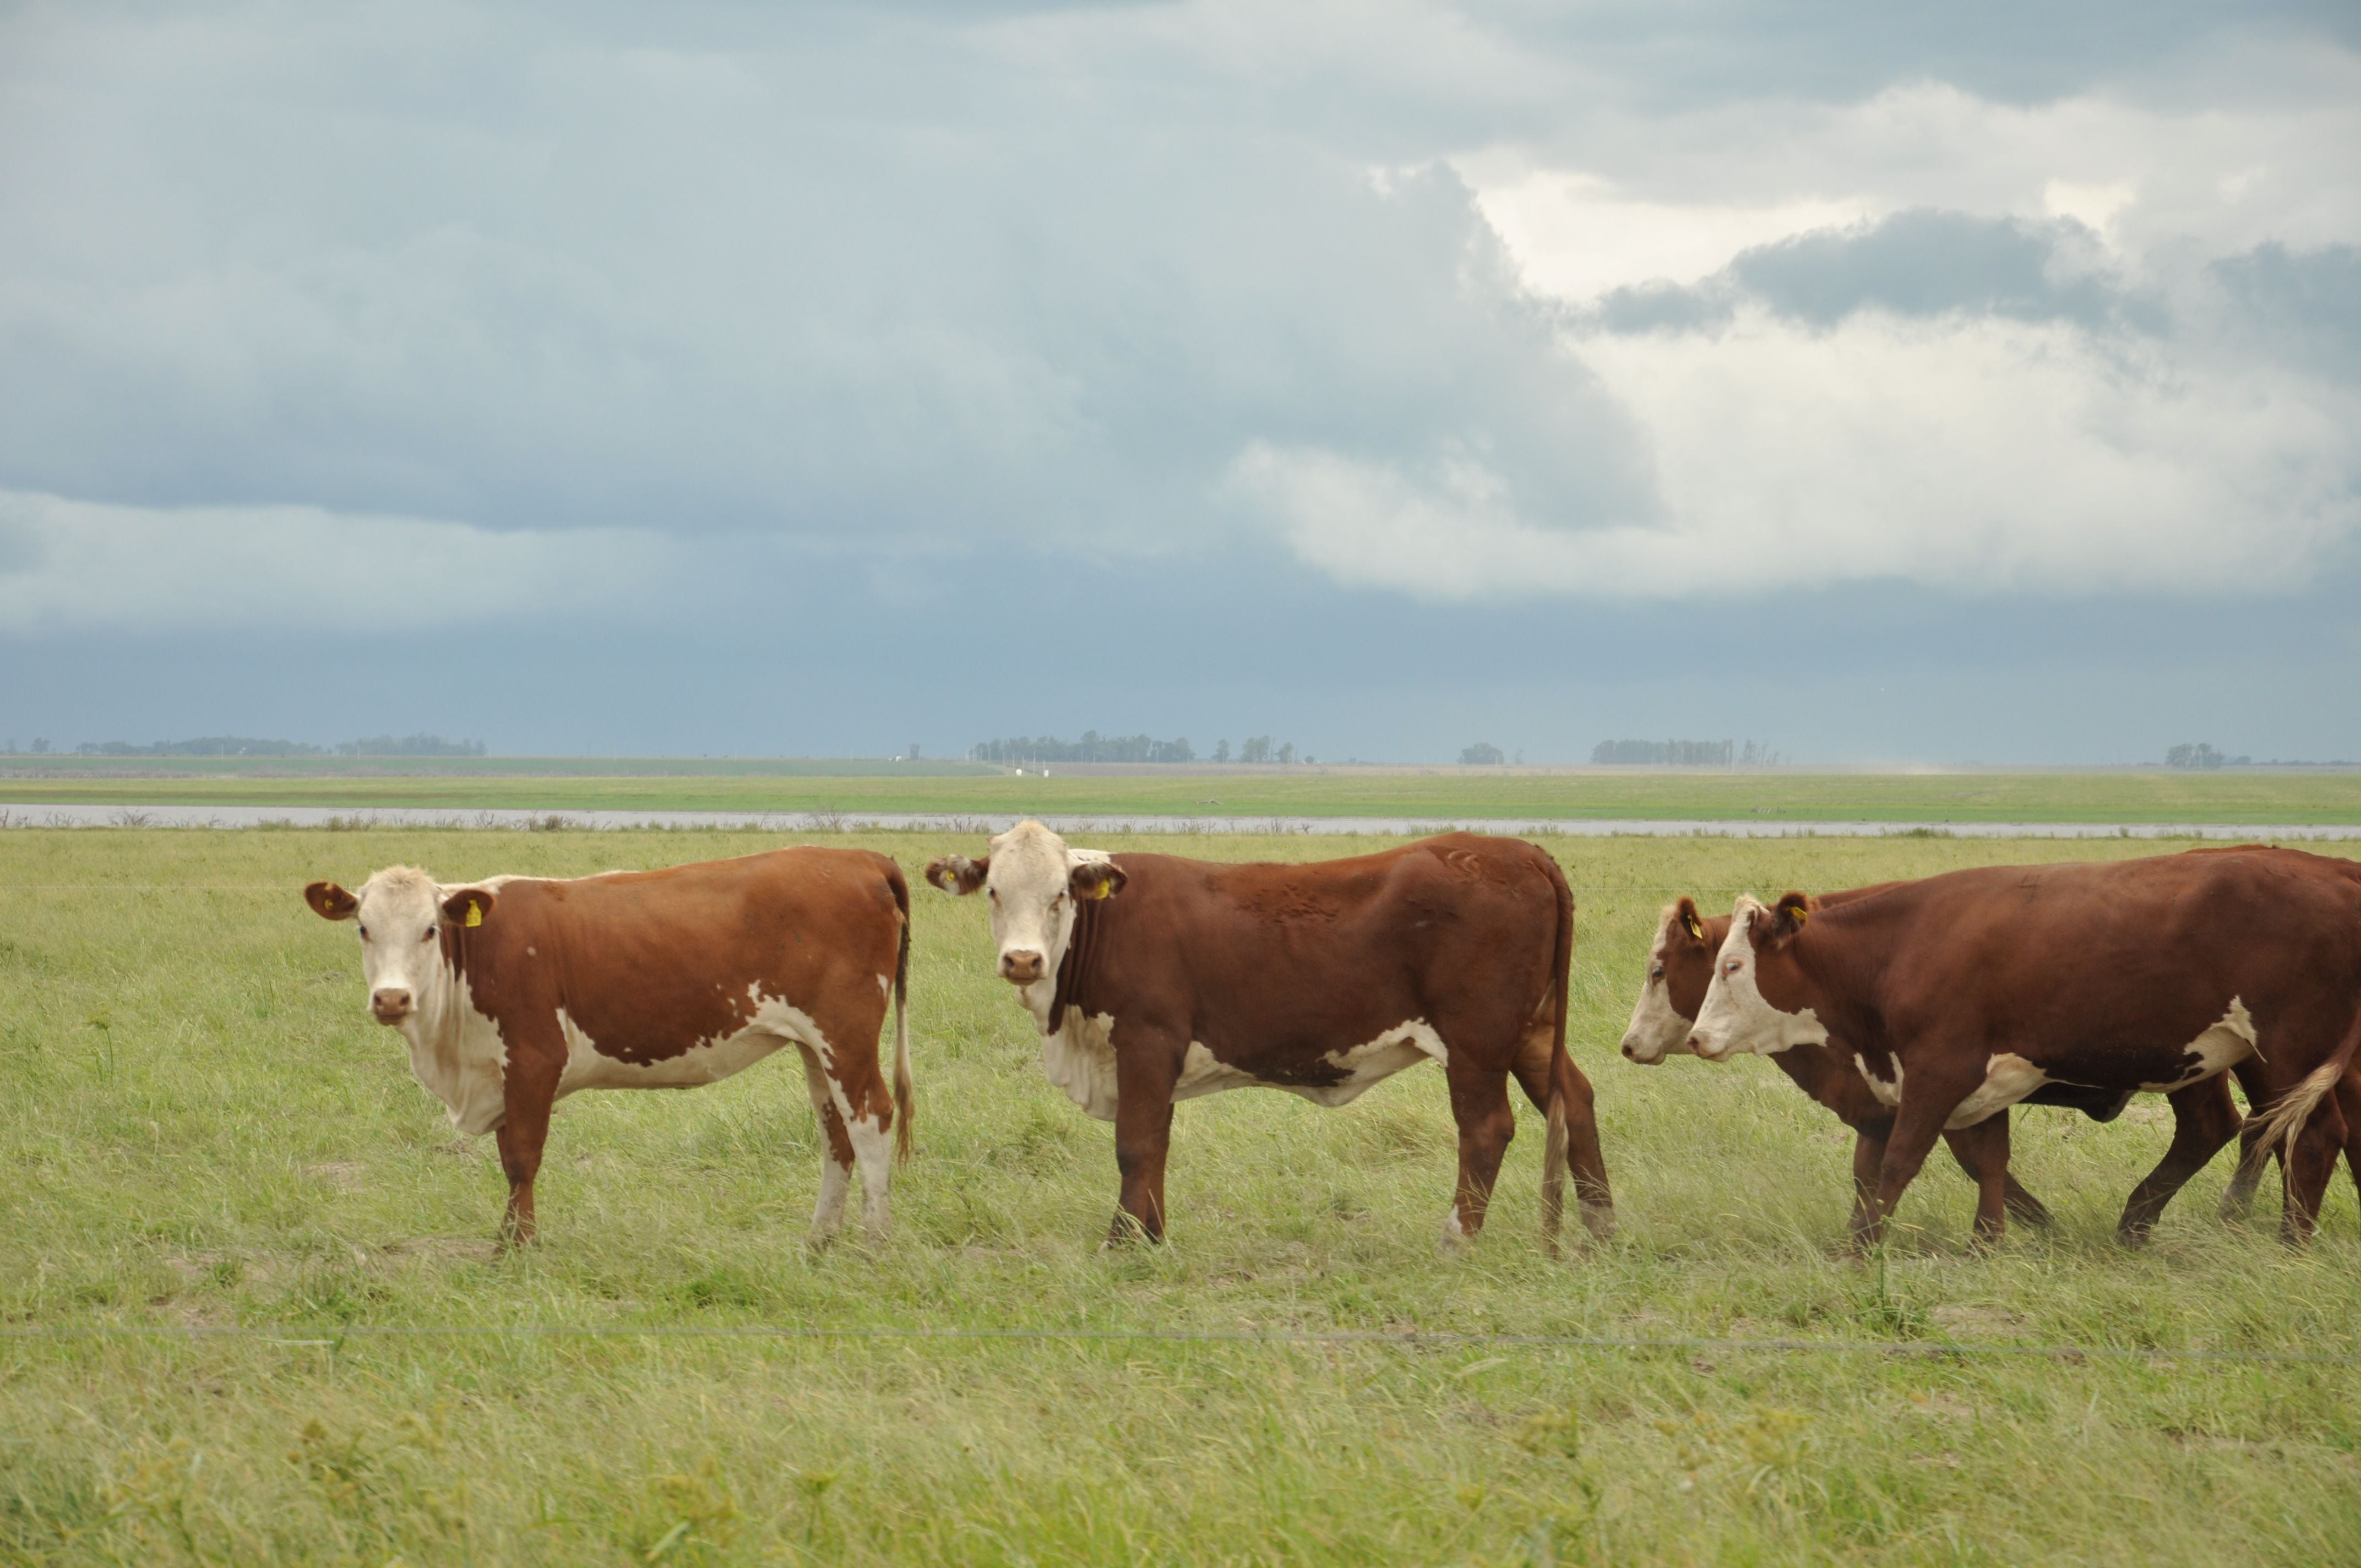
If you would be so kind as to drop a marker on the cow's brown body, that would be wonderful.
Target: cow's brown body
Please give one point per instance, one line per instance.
(2204, 1116)
(1969, 987)
(1322, 979)
(660, 979)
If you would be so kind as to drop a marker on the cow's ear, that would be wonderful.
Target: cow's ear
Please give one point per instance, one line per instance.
(1686, 921)
(469, 906)
(1096, 878)
(957, 873)
(1783, 919)
(330, 901)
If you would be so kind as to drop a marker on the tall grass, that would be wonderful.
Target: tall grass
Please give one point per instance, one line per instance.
(200, 1128)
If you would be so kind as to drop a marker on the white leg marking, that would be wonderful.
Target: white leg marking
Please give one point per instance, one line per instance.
(828, 1215)
(874, 1149)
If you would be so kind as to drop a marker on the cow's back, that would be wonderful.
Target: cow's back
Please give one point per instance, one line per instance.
(649, 963)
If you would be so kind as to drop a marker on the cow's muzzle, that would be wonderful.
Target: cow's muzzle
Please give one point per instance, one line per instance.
(391, 1006)
(1020, 966)
(1708, 1047)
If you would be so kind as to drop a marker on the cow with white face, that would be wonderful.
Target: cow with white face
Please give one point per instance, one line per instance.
(514, 992)
(1974, 990)
(1155, 978)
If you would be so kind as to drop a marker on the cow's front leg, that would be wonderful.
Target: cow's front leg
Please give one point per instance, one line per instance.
(1480, 1104)
(1146, 1070)
(2204, 1119)
(1868, 1156)
(528, 1087)
(1930, 1096)
(1982, 1149)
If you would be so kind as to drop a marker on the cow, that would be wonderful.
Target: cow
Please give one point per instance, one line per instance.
(514, 991)
(1965, 992)
(1680, 966)
(1155, 978)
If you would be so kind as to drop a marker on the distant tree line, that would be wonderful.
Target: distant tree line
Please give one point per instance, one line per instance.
(1093, 746)
(2198, 755)
(419, 745)
(1677, 754)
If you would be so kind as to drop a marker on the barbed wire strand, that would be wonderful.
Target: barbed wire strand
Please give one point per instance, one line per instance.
(332, 1335)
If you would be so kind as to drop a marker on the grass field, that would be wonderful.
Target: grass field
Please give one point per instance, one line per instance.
(2277, 799)
(201, 1129)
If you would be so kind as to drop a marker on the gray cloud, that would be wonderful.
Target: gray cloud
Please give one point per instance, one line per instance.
(2305, 305)
(1918, 263)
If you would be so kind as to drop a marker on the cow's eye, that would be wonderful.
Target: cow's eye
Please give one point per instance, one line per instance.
(1057, 904)
(1656, 974)
(1732, 967)
(429, 935)
(993, 894)
(364, 931)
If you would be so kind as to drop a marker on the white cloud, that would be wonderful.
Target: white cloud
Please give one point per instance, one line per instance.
(1986, 455)
(68, 565)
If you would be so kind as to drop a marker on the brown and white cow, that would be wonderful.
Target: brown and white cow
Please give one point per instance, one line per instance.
(1966, 992)
(1680, 966)
(515, 992)
(1155, 978)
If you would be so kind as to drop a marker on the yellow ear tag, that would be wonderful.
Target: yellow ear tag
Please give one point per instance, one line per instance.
(1801, 914)
(1104, 888)
(1697, 931)
(475, 913)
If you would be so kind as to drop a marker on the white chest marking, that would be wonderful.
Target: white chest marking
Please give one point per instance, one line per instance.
(2228, 1041)
(459, 1055)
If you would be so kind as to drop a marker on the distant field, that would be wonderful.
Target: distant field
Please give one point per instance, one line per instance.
(202, 1129)
(2269, 798)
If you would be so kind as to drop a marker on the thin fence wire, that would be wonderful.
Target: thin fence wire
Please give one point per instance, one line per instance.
(332, 1336)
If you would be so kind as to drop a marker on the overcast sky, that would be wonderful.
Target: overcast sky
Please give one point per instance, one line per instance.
(1891, 383)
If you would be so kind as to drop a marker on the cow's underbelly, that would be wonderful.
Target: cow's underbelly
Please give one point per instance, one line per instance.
(1080, 1059)
(2008, 1078)
(2228, 1040)
(707, 1061)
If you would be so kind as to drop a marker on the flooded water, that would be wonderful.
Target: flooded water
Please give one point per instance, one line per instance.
(801, 823)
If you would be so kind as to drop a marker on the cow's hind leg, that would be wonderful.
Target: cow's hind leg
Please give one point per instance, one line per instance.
(2307, 1170)
(1480, 1104)
(836, 1151)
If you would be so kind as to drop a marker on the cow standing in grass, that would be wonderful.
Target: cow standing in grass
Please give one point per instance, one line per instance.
(516, 991)
(1155, 978)
(1680, 968)
(1967, 992)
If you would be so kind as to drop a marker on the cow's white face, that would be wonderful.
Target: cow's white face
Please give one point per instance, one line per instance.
(1032, 879)
(1735, 1017)
(1655, 1030)
(398, 915)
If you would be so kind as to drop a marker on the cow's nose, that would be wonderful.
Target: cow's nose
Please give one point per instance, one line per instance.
(391, 1003)
(1020, 967)
(1700, 1046)
(1630, 1050)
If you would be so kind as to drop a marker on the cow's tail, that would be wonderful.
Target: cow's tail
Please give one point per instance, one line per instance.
(1561, 1066)
(905, 1091)
(2285, 1119)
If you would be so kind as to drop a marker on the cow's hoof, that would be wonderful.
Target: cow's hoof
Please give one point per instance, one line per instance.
(1127, 1232)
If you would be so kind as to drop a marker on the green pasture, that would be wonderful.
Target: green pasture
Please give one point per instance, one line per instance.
(201, 1130)
(2275, 799)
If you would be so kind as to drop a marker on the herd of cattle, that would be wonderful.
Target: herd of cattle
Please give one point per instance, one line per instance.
(1910, 1009)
